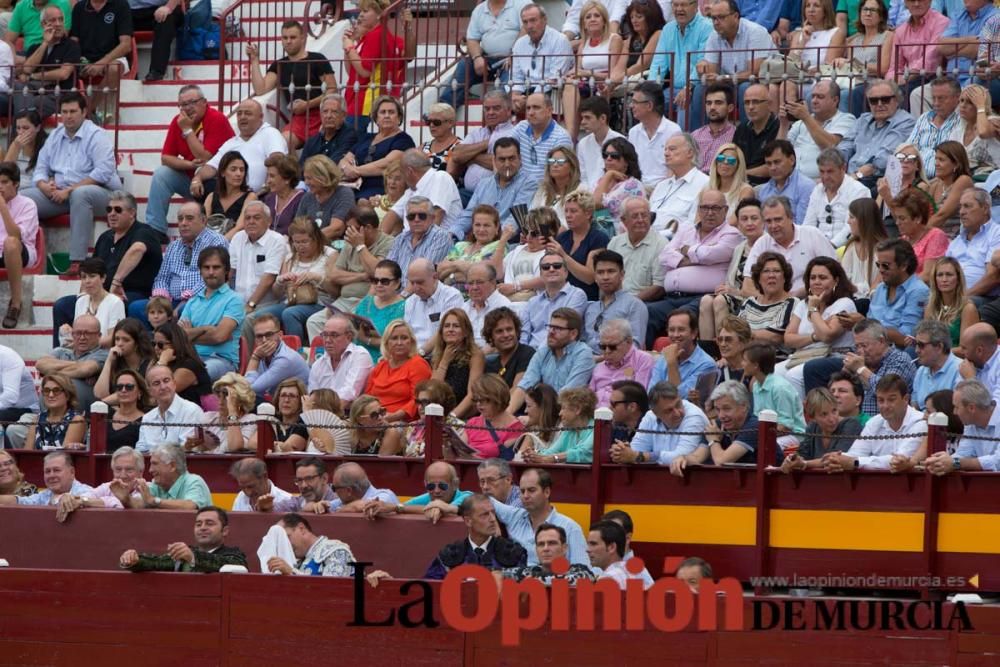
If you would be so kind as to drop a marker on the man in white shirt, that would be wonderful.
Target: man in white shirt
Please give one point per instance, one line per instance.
(481, 283)
(896, 418)
(257, 253)
(798, 244)
(255, 141)
(675, 199)
(438, 186)
(650, 133)
(257, 492)
(827, 210)
(344, 367)
(594, 114)
(17, 395)
(539, 57)
(981, 417)
(172, 418)
(429, 300)
(606, 549)
(814, 132)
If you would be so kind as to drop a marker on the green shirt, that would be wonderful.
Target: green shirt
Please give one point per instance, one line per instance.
(26, 20)
(577, 445)
(187, 487)
(775, 393)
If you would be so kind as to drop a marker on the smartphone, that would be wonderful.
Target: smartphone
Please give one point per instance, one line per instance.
(983, 63)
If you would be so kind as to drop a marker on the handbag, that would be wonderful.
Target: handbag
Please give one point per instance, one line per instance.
(780, 67)
(506, 452)
(218, 222)
(301, 295)
(814, 351)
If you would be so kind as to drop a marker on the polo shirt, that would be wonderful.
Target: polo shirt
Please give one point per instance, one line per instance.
(213, 131)
(905, 310)
(876, 454)
(26, 20)
(642, 260)
(204, 310)
(186, 487)
(676, 198)
(798, 189)
(746, 436)
(424, 315)
(335, 148)
(734, 57)
(697, 364)
(807, 244)
(63, 52)
(986, 451)
(776, 393)
(752, 144)
(572, 369)
(519, 528)
(496, 33)
(252, 260)
(650, 149)
(664, 442)
(156, 429)
(926, 382)
(974, 254)
(141, 278)
(307, 75)
(806, 148)
(350, 376)
(535, 152)
(425, 498)
(285, 363)
(99, 32)
(538, 311)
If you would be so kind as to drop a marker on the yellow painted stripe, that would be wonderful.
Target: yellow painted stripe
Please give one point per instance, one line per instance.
(832, 529)
(969, 533)
(698, 524)
(224, 500)
(579, 512)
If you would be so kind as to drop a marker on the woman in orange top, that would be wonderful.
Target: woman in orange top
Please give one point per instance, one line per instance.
(394, 379)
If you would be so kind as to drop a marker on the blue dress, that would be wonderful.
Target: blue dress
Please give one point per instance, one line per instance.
(595, 240)
(364, 153)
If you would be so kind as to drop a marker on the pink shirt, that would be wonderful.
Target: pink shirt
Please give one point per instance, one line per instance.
(635, 365)
(481, 440)
(103, 493)
(25, 215)
(911, 43)
(710, 257)
(933, 245)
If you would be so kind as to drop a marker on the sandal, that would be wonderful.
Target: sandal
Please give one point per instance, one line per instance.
(12, 316)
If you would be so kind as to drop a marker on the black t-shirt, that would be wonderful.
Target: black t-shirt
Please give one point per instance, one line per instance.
(752, 144)
(518, 363)
(202, 382)
(99, 32)
(66, 51)
(310, 70)
(142, 276)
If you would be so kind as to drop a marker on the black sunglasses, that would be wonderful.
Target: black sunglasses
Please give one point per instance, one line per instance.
(443, 486)
(417, 216)
(612, 156)
(159, 345)
(124, 386)
(380, 281)
(608, 347)
(880, 99)
(116, 209)
(554, 265)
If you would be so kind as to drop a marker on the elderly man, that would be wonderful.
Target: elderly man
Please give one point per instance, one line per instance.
(786, 179)
(651, 131)
(474, 153)
(254, 277)
(173, 417)
(557, 293)
(313, 482)
(271, 361)
(443, 496)
(208, 553)
(595, 114)
(317, 555)
(918, 50)
(173, 487)
(345, 366)
(365, 245)
(179, 278)
(429, 299)
(301, 77)
(256, 141)
(695, 259)
(74, 173)
(354, 490)
(481, 284)
(895, 433)
(214, 314)
(126, 466)
(977, 409)
(82, 362)
(48, 66)
(564, 361)
(676, 54)
(497, 481)
(60, 479)
(506, 187)
(733, 53)
(877, 133)
(531, 73)
(335, 138)
(423, 239)
(613, 302)
(437, 186)
(812, 133)
(483, 546)
(982, 356)
(536, 491)
(489, 39)
(827, 210)
(682, 362)
(193, 137)
(938, 124)
(975, 246)
(754, 133)
(257, 492)
(732, 436)
(538, 134)
(675, 199)
(938, 366)
(621, 359)
(877, 359)
(660, 438)
(798, 244)
(640, 246)
(719, 106)
(25, 22)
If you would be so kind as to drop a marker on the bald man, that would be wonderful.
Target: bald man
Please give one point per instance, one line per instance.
(429, 300)
(82, 361)
(442, 498)
(354, 490)
(982, 358)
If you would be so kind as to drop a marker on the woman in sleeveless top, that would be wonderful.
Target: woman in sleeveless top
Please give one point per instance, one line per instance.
(232, 193)
(601, 58)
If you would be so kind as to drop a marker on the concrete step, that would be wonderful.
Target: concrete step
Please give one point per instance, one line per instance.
(42, 313)
(144, 138)
(166, 91)
(31, 343)
(146, 113)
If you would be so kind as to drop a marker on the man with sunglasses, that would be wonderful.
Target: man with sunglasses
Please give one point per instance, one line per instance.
(877, 133)
(621, 359)
(437, 186)
(503, 189)
(443, 497)
(629, 402)
(674, 200)
(938, 366)
(613, 302)
(557, 293)
(423, 239)
(345, 366)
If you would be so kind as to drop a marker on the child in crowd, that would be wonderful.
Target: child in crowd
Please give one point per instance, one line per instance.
(772, 392)
(159, 311)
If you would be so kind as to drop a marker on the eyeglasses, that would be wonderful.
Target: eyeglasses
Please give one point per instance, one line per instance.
(721, 17)
(190, 103)
(424, 402)
(557, 160)
(375, 414)
(611, 156)
(609, 347)
(435, 122)
(533, 234)
(443, 486)
(417, 216)
(636, 100)
(82, 334)
(829, 214)
(124, 386)
(222, 392)
(381, 281)
(159, 345)
(880, 100)
(266, 334)
(906, 157)
(869, 10)
(712, 208)
(921, 344)
(8, 463)
(332, 334)
(885, 266)
(615, 404)
(52, 391)
(731, 160)
(553, 266)
(299, 481)
(116, 209)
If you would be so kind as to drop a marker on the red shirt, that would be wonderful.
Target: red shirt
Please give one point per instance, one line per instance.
(214, 131)
(396, 388)
(383, 68)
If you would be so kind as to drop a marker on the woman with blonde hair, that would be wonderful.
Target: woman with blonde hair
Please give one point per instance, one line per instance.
(562, 176)
(580, 242)
(327, 202)
(728, 175)
(456, 359)
(600, 61)
(819, 41)
(60, 424)
(12, 481)
(394, 187)
(230, 429)
(978, 130)
(948, 301)
(483, 245)
(371, 433)
(394, 379)
(440, 117)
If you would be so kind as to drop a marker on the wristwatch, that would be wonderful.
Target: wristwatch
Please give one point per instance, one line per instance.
(640, 457)
(957, 462)
(232, 419)
(359, 247)
(252, 304)
(858, 175)
(156, 501)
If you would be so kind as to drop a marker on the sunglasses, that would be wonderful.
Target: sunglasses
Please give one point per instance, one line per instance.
(116, 209)
(375, 414)
(417, 216)
(920, 344)
(124, 386)
(611, 156)
(533, 234)
(424, 402)
(381, 281)
(906, 157)
(608, 347)
(554, 266)
(557, 160)
(52, 391)
(443, 486)
(881, 99)
(885, 266)
(159, 345)
(435, 122)
(726, 159)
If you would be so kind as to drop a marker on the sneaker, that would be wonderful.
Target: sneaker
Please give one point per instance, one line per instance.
(12, 316)
(154, 76)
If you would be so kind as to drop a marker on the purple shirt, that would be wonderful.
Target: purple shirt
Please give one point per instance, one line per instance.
(635, 365)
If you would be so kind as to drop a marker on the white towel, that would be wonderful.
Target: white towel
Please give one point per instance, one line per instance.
(275, 543)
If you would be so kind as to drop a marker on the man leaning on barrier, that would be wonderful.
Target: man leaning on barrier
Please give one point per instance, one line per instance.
(671, 433)
(979, 447)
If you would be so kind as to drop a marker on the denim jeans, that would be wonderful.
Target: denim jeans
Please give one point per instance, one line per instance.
(166, 183)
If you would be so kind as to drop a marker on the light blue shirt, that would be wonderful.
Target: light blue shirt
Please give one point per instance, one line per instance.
(736, 57)
(87, 154)
(869, 143)
(538, 311)
(973, 254)
(534, 152)
(674, 46)
(987, 451)
(572, 369)
(926, 382)
(690, 370)
(434, 246)
(666, 443)
(899, 14)
(46, 497)
(535, 65)
(518, 523)
(905, 311)
(962, 24)
(950, 8)
(989, 375)
(496, 34)
(385, 495)
(202, 311)
(776, 393)
(489, 191)
(764, 12)
(797, 188)
(623, 306)
(284, 363)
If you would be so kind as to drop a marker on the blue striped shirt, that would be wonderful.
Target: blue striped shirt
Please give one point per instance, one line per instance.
(177, 275)
(434, 246)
